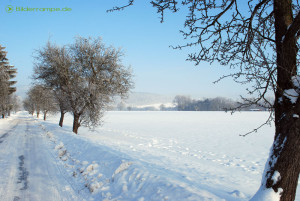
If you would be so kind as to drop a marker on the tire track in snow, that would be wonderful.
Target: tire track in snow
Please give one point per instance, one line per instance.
(23, 174)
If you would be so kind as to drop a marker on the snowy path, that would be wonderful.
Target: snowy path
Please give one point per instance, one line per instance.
(29, 170)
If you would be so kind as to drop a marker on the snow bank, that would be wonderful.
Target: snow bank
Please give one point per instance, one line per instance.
(109, 175)
(264, 194)
(59, 145)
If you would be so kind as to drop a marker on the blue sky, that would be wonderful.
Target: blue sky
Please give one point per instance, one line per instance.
(137, 30)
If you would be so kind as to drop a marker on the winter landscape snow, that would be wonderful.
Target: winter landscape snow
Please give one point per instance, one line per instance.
(135, 156)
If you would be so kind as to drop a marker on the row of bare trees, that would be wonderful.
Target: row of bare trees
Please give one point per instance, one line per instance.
(8, 100)
(40, 99)
(186, 103)
(81, 78)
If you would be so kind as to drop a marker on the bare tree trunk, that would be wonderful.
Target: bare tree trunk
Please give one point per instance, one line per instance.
(283, 166)
(45, 114)
(37, 114)
(76, 123)
(61, 120)
(283, 171)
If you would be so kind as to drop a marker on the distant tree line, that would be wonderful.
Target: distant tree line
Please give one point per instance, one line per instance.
(185, 103)
(8, 100)
(40, 99)
(81, 78)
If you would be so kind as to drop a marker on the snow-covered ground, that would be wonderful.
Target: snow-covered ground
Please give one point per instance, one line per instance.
(135, 156)
(30, 170)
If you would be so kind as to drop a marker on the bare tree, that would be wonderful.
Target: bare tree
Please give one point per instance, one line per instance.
(15, 102)
(85, 76)
(34, 96)
(182, 103)
(48, 102)
(121, 106)
(63, 104)
(259, 39)
(41, 99)
(98, 76)
(162, 107)
(52, 69)
(28, 105)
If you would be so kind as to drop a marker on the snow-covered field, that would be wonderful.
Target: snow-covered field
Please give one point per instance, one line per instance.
(145, 155)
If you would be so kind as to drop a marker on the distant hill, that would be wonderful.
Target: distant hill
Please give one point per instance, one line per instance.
(142, 99)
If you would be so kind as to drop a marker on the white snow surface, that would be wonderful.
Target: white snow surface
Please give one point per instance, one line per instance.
(296, 116)
(296, 81)
(276, 177)
(267, 195)
(136, 156)
(291, 94)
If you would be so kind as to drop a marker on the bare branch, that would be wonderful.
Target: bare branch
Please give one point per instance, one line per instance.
(269, 121)
(118, 8)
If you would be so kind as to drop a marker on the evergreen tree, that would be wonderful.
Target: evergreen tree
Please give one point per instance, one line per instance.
(7, 72)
